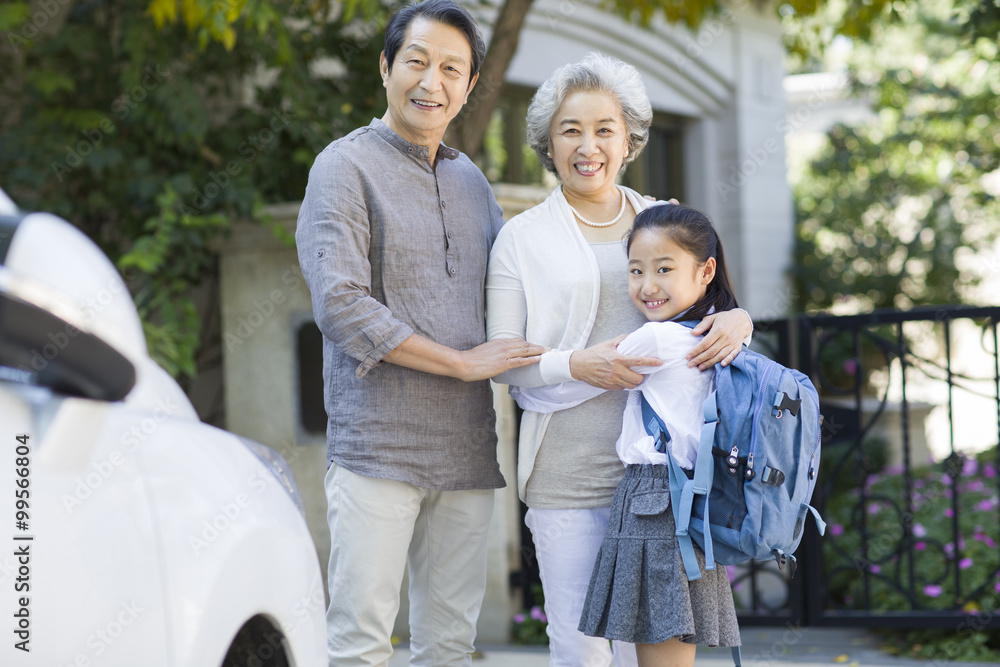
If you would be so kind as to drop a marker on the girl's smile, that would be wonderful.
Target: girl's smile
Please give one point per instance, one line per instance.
(664, 279)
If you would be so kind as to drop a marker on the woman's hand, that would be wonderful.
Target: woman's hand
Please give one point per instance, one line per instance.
(603, 366)
(723, 341)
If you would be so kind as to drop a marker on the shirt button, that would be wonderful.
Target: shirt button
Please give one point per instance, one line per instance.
(443, 205)
(409, 149)
(448, 235)
(452, 271)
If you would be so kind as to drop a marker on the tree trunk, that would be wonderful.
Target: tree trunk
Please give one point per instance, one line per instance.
(471, 126)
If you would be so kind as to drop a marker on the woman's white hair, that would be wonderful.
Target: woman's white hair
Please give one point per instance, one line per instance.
(596, 72)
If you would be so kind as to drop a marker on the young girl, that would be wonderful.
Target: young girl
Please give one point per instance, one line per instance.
(638, 591)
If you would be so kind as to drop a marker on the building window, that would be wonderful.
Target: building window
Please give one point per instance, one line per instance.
(507, 158)
(309, 348)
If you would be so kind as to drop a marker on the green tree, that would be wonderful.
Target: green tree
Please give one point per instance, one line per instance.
(153, 134)
(892, 212)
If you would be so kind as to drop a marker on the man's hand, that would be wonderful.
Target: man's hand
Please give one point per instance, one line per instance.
(496, 356)
(481, 362)
(723, 341)
(603, 366)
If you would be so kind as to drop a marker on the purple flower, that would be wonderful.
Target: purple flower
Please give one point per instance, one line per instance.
(965, 564)
(873, 508)
(519, 618)
(932, 591)
(894, 469)
(536, 613)
(920, 546)
(974, 486)
(970, 467)
(836, 529)
(950, 549)
(874, 569)
(996, 587)
(919, 530)
(985, 505)
(949, 512)
(851, 366)
(946, 478)
(989, 471)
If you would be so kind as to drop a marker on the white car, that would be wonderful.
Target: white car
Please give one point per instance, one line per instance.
(131, 534)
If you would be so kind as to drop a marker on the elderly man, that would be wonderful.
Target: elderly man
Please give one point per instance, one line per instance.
(393, 237)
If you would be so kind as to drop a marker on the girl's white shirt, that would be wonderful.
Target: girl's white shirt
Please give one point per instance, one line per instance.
(675, 391)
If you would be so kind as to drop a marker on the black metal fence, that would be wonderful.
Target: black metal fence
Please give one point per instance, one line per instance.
(909, 477)
(910, 473)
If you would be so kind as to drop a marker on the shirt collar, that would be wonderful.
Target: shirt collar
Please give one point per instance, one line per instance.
(421, 153)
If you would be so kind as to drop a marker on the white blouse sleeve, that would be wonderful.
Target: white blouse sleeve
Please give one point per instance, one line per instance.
(554, 397)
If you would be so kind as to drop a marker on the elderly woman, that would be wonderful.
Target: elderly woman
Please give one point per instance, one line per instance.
(557, 277)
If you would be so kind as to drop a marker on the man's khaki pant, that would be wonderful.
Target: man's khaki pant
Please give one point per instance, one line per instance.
(378, 527)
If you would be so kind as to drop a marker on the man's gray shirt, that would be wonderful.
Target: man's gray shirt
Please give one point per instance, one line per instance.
(390, 246)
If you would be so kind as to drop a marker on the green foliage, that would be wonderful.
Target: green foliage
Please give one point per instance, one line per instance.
(945, 645)
(892, 211)
(154, 131)
(530, 627)
(949, 573)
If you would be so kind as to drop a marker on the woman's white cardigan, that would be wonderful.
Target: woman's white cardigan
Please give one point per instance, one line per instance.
(543, 284)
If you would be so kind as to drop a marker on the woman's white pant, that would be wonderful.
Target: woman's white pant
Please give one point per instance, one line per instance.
(566, 546)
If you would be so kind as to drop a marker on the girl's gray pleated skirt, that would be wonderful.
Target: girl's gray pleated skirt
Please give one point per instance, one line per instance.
(639, 592)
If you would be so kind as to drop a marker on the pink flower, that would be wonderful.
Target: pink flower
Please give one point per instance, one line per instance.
(919, 530)
(920, 546)
(989, 471)
(537, 614)
(836, 529)
(851, 366)
(875, 569)
(932, 591)
(965, 564)
(996, 587)
(519, 618)
(948, 512)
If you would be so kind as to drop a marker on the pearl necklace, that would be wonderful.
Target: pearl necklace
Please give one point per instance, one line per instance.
(601, 224)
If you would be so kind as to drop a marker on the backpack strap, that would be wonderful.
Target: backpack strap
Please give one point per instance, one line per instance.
(654, 425)
(701, 485)
(683, 500)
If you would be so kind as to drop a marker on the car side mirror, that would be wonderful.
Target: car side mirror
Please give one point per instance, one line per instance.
(36, 338)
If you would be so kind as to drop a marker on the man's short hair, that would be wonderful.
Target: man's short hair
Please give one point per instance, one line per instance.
(442, 11)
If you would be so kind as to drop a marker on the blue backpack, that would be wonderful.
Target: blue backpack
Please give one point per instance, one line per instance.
(758, 458)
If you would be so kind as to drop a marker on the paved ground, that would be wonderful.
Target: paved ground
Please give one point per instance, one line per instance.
(762, 647)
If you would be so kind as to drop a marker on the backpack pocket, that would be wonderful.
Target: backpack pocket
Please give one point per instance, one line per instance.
(727, 507)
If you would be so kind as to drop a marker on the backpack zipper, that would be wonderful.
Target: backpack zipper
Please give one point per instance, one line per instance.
(819, 439)
(756, 417)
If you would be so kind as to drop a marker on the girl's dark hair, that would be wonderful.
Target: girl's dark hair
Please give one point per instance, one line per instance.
(692, 231)
(442, 11)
